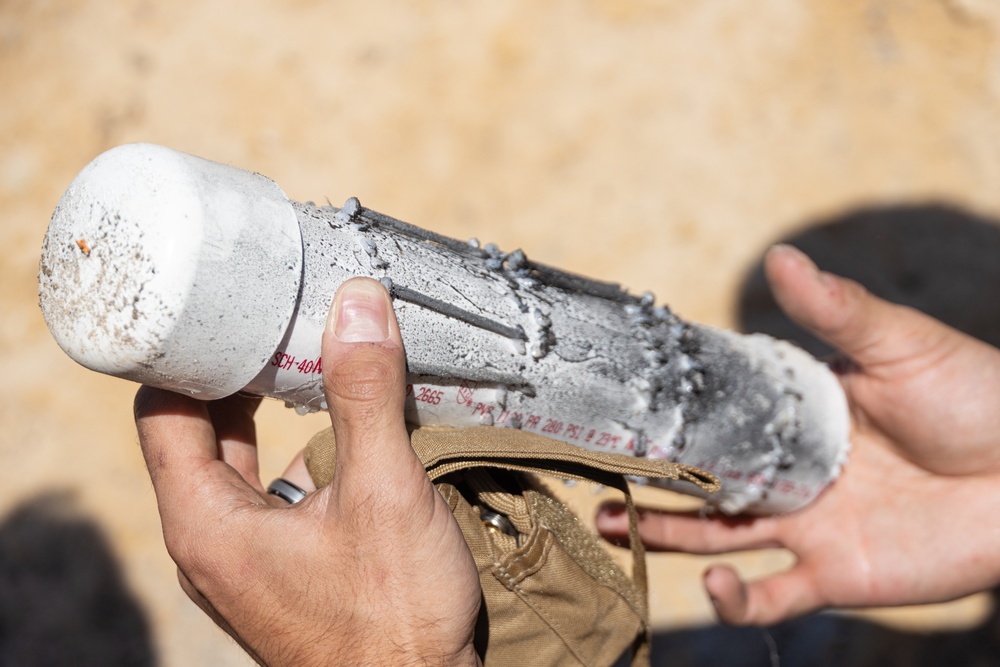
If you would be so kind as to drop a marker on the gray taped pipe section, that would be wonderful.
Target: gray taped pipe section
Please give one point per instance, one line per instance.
(494, 338)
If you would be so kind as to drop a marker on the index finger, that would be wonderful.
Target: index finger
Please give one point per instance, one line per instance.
(692, 532)
(181, 451)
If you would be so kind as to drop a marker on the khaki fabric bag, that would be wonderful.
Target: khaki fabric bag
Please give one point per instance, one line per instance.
(551, 593)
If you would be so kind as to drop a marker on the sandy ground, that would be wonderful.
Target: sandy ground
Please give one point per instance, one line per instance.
(662, 145)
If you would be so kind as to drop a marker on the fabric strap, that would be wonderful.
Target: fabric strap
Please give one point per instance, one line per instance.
(447, 451)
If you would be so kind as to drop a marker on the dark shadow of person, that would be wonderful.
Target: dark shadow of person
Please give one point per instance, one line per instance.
(945, 262)
(827, 640)
(62, 597)
(936, 258)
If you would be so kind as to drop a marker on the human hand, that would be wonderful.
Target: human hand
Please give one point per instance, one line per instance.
(912, 519)
(371, 569)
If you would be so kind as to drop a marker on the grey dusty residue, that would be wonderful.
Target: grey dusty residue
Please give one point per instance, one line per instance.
(585, 361)
(77, 299)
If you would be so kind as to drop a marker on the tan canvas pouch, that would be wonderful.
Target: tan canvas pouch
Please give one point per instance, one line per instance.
(551, 593)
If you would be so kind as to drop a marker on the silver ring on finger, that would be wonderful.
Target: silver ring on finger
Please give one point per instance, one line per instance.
(287, 491)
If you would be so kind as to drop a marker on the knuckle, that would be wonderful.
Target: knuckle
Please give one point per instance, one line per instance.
(194, 550)
(192, 591)
(200, 561)
(365, 379)
(190, 559)
(186, 547)
(368, 506)
(142, 404)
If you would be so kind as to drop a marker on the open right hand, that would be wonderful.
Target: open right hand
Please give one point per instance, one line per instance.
(913, 517)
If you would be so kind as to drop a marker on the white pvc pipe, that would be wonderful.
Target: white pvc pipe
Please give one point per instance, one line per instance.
(175, 271)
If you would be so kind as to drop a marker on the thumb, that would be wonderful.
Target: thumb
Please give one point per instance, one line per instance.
(763, 602)
(867, 329)
(364, 379)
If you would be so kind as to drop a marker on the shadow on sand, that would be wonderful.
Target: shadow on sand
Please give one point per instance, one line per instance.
(63, 600)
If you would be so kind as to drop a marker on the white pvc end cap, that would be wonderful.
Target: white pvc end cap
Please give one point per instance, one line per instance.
(171, 270)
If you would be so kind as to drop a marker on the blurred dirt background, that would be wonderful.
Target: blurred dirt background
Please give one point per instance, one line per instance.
(660, 144)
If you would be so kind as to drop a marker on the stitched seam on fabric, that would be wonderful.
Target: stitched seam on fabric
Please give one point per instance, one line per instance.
(582, 547)
(439, 444)
(448, 493)
(502, 566)
(548, 540)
